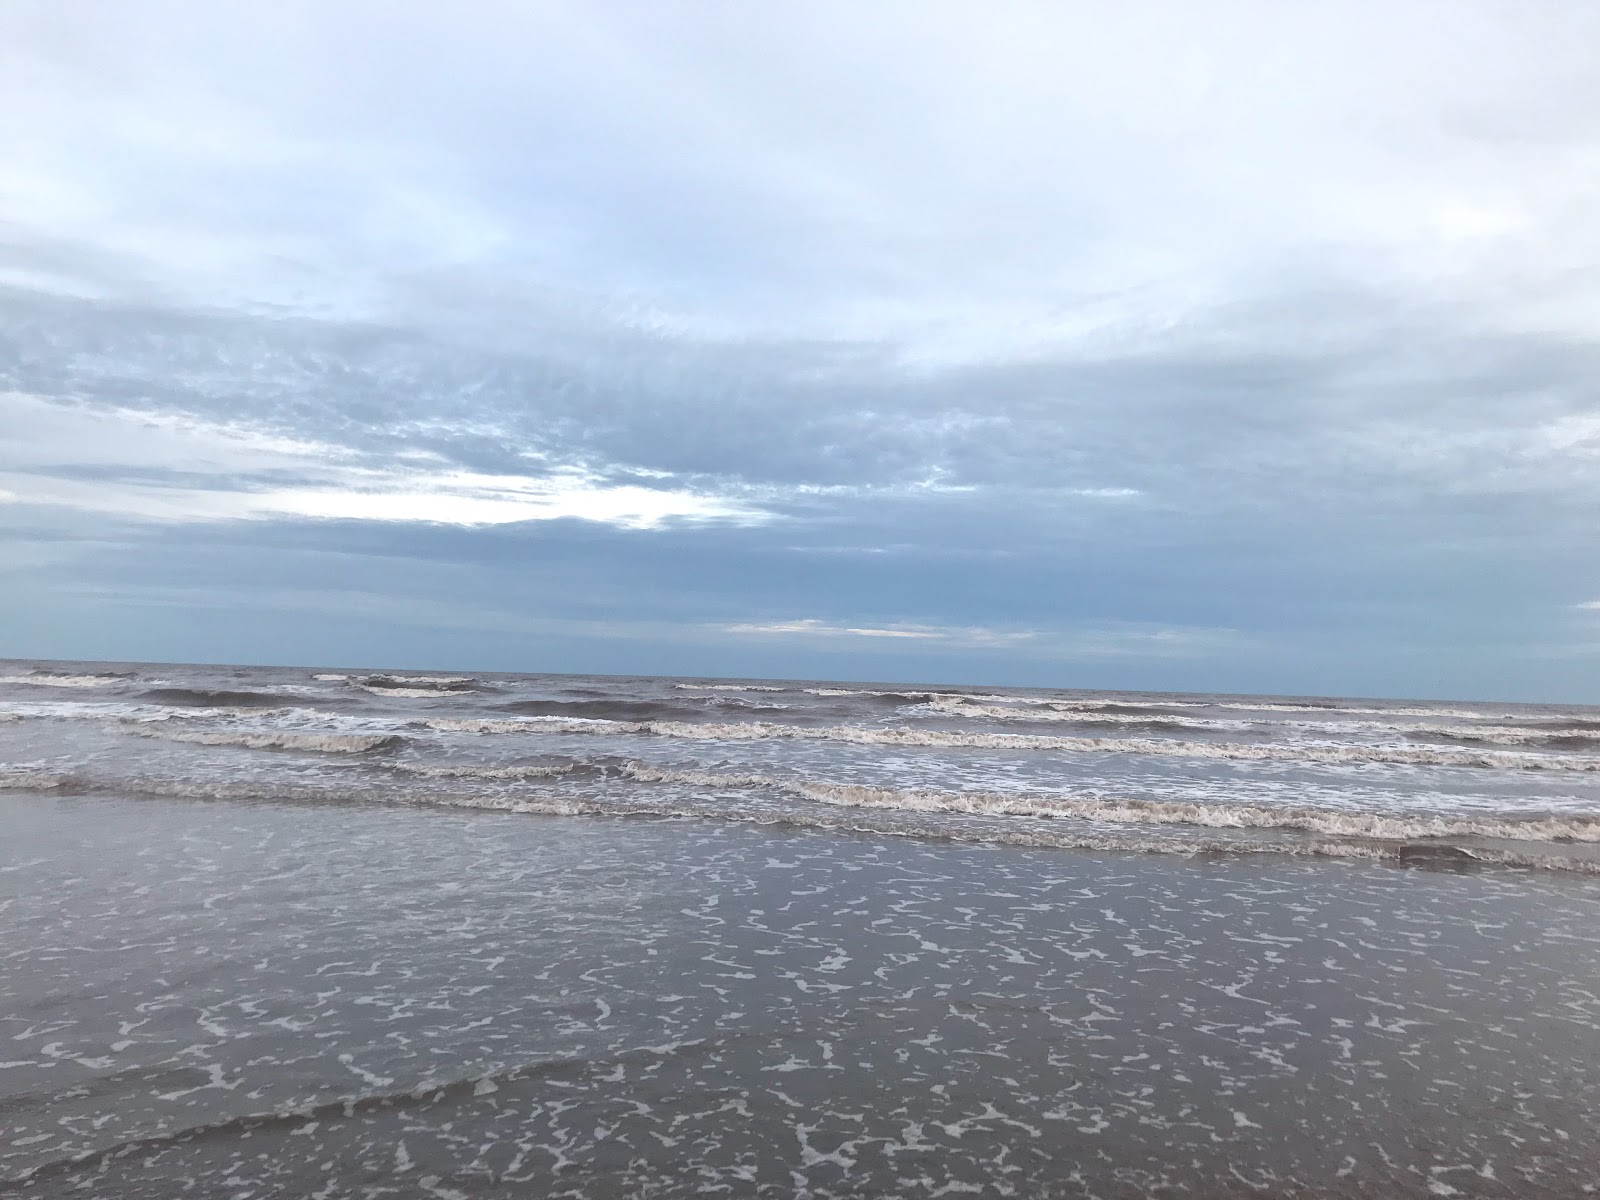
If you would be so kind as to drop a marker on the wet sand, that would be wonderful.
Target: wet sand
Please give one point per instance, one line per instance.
(262, 1000)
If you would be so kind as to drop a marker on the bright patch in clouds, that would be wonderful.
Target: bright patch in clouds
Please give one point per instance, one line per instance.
(1092, 642)
(220, 471)
(815, 628)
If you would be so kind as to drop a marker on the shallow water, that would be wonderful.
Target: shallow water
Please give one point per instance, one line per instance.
(261, 999)
(290, 932)
(1500, 783)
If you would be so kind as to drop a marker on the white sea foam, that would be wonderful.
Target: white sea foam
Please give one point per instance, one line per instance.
(1387, 826)
(63, 681)
(31, 779)
(1021, 704)
(897, 813)
(961, 706)
(469, 771)
(323, 743)
(1018, 705)
(900, 736)
(415, 693)
(729, 687)
(331, 678)
(1503, 735)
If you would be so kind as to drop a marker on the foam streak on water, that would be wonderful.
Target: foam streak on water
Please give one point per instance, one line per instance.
(1328, 776)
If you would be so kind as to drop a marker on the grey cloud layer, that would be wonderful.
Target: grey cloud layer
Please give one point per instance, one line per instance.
(1057, 321)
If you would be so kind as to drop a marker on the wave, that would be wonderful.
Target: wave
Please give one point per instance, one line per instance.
(1127, 716)
(892, 697)
(62, 680)
(32, 779)
(901, 736)
(406, 693)
(1107, 714)
(1495, 735)
(510, 771)
(730, 687)
(1177, 707)
(895, 697)
(1019, 705)
(635, 710)
(182, 697)
(1332, 707)
(323, 743)
(418, 686)
(888, 817)
(1391, 827)
(1570, 725)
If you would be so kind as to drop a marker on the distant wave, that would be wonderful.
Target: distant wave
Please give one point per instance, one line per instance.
(1127, 716)
(418, 686)
(1021, 704)
(1166, 706)
(1500, 736)
(730, 687)
(61, 680)
(1108, 714)
(635, 710)
(181, 697)
(1145, 812)
(1572, 724)
(895, 696)
(900, 736)
(325, 743)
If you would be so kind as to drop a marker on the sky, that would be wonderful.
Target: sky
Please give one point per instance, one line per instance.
(1150, 345)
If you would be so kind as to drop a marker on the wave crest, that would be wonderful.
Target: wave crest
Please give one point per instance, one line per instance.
(1386, 826)
(902, 736)
(63, 680)
(322, 743)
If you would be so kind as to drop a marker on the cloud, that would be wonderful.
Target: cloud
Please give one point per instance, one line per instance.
(812, 627)
(175, 467)
(1104, 642)
(1097, 329)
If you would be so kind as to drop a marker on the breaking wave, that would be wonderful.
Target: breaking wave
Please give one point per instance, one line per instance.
(1389, 827)
(901, 736)
(418, 686)
(323, 743)
(635, 710)
(1128, 716)
(31, 779)
(895, 696)
(730, 687)
(875, 811)
(62, 680)
(470, 771)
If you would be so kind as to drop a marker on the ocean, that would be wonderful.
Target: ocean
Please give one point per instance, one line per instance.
(323, 931)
